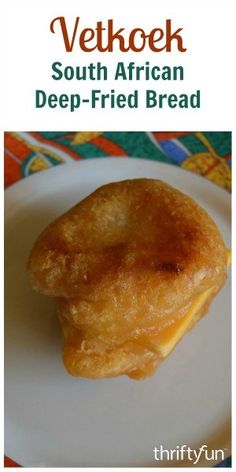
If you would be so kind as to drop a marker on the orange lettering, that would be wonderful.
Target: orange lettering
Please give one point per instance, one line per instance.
(68, 44)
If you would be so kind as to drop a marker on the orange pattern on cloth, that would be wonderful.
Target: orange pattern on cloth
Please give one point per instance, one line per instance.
(207, 154)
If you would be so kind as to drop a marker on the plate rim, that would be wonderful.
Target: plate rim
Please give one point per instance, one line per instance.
(83, 161)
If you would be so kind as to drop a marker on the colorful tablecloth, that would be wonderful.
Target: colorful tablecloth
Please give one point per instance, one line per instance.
(205, 153)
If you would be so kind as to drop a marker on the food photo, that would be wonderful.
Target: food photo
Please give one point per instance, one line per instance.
(117, 299)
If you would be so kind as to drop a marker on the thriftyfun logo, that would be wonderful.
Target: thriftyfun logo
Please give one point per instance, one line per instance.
(184, 452)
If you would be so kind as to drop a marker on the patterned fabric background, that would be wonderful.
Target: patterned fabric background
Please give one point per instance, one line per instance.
(205, 153)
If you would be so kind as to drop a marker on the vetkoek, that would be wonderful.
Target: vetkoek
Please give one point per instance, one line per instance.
(105, 37)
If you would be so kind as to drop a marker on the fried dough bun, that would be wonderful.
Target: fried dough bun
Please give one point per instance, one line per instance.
(129, 264)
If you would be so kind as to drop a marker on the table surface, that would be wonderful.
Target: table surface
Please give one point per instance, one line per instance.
(205, 153)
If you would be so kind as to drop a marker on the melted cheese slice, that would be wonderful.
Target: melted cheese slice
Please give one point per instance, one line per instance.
(171, 335)
(229, 256)
(164, 342)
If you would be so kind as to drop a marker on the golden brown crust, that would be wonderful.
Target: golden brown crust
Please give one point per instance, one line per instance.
(143, 229)
(124, 264)
(89, 354)
(94, 359)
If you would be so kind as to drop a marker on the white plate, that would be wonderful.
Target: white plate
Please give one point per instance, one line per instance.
(55, 420)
